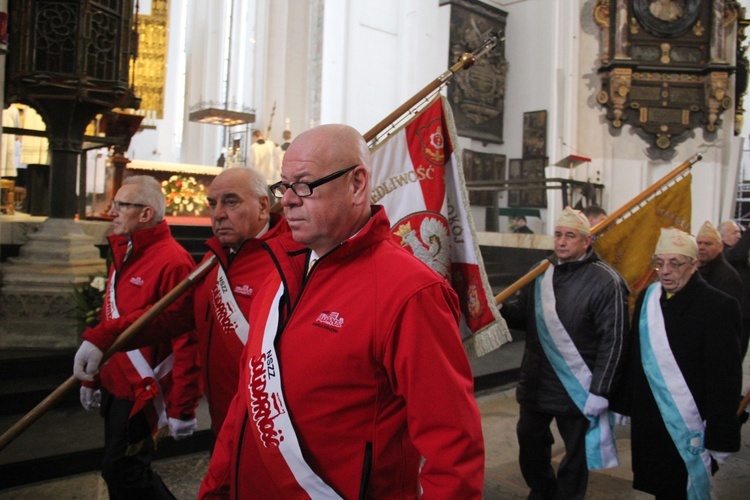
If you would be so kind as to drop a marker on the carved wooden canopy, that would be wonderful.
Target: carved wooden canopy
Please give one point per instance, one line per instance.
(664, 66)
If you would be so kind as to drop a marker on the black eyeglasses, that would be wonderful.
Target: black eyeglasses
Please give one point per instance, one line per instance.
(123, 205)
(305, 189)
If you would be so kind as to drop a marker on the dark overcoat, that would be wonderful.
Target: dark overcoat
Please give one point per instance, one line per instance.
(702, 325)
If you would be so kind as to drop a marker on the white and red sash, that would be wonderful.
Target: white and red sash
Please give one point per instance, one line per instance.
(271, 427)
(226, 310)
(145, 380)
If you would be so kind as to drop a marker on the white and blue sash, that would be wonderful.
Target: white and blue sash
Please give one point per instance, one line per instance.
(575, 375)
(673, 397)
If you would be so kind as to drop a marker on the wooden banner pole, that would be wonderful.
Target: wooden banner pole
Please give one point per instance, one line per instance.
(601, 226)
(121, 342)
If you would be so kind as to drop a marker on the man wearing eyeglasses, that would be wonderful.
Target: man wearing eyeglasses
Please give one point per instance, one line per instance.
(683, 377)
(575, 319)
(143, 390)
(241, 221)
(354, 382)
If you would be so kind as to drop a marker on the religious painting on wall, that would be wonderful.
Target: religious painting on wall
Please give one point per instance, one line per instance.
(533, 194)
(477, 95)
(535, 134)
(532, 169)
(483, 167)
(514, 172)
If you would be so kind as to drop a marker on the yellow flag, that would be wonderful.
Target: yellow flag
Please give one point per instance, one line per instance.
(629, 245)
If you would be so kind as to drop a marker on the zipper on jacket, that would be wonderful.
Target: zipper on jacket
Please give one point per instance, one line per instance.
(366, 471)
(207, 356)
(239, 455)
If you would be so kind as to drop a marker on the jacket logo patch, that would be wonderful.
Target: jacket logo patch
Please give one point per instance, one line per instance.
(136, 280)
(243, 290)
(331, 321)
(265, 407)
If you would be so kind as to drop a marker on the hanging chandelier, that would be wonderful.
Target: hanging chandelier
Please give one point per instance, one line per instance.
(227, 114)
(218, 114)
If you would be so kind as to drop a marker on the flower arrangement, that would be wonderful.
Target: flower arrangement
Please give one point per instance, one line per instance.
(185, 196)
(89, 299)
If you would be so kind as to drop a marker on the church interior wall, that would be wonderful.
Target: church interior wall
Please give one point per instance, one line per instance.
(629, 164)
(530, 86)
(375, 55)
(203, 77)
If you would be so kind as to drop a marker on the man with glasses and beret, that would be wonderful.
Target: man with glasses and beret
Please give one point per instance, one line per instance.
(683, 376)
(354, 382)
(576, 319)
(142, 392)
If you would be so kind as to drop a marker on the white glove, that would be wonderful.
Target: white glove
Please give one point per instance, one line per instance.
(90, 398)
(622, 420)
(180, 429)
(595, 405)
(719, 456)
(86, 362)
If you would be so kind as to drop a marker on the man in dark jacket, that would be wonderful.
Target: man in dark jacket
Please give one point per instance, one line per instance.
(575, 317)
(684, 376)
(713, 266)
(736, 250)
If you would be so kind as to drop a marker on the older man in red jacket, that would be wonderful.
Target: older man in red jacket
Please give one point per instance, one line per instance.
(155, 387)
(376, 399)
(242, 223)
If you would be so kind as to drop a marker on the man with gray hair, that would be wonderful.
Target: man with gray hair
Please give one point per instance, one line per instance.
(242, 222)
(683, 377)
(576, 319)
(737, 253)
(353, 382)
(143, 390)
(713, 266)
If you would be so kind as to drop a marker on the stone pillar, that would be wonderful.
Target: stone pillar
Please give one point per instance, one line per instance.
(621, 30)
(718, 33)
(37, 306)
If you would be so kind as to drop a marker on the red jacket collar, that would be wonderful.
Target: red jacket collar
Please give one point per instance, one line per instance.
(377, 229)
(277, 227)
(142, 239)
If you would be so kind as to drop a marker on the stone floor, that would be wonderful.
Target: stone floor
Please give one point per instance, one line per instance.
(503, 478)
(502, 481)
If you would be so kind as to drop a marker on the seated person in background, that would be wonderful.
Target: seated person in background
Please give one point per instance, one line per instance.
(521, 226)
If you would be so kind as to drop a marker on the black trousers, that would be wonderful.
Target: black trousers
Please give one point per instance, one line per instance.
(128, 477)
(535, 455)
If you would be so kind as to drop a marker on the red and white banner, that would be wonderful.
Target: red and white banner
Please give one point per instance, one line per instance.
(418, 178)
